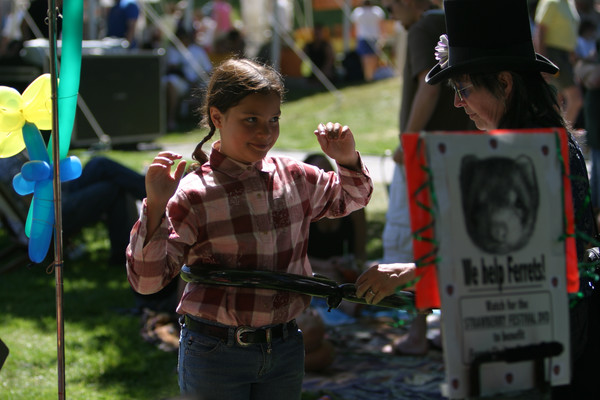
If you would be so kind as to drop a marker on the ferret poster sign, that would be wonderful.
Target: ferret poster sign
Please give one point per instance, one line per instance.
(492, 232)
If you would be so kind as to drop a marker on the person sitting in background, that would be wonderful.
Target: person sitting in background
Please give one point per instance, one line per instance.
(586, 40)
(232, 44)
(13, 207)
(106, 191)
(320, 52)
(204, 26)
(182, 75)
(319, 352)
(335, 248)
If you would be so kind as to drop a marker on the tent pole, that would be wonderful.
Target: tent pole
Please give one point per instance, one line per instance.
(347, 9)
(275, 38)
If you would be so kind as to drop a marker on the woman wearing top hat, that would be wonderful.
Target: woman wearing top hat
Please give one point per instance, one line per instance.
(488, 58)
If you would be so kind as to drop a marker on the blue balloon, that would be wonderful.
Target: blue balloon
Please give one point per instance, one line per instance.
(22, 186)
(36, 176)
(70, 168)
(36, 170)
(42, 220)
(35, 143)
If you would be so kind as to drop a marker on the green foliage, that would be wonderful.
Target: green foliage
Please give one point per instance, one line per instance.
(370, 110)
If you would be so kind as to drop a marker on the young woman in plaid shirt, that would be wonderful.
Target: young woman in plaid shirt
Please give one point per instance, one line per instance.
(241, 209)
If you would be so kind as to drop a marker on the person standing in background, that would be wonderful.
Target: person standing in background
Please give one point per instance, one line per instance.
(587, 10)
(182, 75)
(122, 19)
(557, 23)
(367, 22)
(423, 107)
(221, 14)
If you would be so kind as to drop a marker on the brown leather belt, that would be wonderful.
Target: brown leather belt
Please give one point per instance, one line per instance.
(244, 335)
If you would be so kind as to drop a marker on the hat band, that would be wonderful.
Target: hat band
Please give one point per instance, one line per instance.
(461, 55)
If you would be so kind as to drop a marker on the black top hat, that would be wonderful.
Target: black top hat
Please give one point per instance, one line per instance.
(486, 36)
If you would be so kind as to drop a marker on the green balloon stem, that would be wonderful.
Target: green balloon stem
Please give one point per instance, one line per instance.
(70, 69)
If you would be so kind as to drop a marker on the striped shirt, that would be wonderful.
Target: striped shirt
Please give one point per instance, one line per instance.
(242, 217)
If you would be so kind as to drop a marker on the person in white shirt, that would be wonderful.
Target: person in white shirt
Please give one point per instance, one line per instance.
(367, 22)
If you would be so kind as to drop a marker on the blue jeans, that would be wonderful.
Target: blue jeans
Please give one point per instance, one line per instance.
(366, 46)
(214, 369)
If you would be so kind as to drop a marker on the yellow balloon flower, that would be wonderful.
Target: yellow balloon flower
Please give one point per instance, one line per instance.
(34, 106)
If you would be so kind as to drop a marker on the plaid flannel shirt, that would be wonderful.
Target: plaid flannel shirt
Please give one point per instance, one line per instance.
(242, 217)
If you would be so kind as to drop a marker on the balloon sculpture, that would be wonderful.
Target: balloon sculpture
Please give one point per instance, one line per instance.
(21, 118)
(36, 177)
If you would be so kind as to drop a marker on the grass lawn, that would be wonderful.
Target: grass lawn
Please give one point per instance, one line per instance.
(104, 353)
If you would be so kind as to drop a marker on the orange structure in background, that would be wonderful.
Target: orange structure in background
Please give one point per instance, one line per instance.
(320, 5)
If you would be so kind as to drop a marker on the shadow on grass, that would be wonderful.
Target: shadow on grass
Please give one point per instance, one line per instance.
(104, 351)
(105, 355)
(298, 88)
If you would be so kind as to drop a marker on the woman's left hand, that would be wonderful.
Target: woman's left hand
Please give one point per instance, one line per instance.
(337, 142)
(382, 280)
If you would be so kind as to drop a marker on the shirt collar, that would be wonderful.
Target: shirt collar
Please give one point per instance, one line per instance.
(220, 162)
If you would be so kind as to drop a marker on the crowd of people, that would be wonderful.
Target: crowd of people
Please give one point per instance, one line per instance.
(208, 34)
(237, 207)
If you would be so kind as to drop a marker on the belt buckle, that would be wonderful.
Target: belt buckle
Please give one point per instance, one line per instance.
(240, 331)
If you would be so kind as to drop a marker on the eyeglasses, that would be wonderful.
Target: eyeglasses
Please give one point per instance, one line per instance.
(461, 92)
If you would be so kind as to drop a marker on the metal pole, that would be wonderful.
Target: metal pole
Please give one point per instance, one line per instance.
(275, 38)
(346, 10)
(52, 18)
(92, 29)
